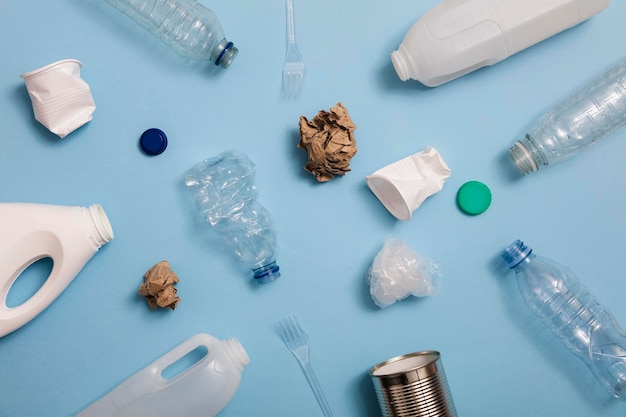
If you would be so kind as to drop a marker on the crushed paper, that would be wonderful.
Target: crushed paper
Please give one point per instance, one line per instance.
(329, 142)
(158, 286)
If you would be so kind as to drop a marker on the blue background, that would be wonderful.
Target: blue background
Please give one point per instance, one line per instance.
(499, 360)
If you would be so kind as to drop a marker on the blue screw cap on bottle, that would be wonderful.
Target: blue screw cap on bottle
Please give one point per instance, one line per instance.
(153, 141)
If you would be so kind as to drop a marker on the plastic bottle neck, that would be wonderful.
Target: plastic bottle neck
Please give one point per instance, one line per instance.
(224, 53)
(101, 230)
(267, 273)
(402, 63)
(237, 352)
(527, 156)
(517, 255)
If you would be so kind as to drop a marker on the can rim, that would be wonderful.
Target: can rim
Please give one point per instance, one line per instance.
(435, 356)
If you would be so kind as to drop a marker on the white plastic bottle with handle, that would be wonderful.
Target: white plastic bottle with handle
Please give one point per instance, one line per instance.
(202, 390)
(459, 36)
(70, 236)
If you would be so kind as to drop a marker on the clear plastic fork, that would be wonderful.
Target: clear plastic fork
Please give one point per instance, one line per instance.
(297, 341)
(293, 68)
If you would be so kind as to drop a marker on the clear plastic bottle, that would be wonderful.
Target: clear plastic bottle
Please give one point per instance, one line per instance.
(186, 25)
(586, 116)
(556, 295)
(224, 191)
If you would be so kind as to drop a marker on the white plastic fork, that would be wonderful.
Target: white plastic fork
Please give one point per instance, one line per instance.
(293, 68)
(297, 341)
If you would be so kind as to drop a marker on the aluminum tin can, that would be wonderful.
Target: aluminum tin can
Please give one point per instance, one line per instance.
(413, 385)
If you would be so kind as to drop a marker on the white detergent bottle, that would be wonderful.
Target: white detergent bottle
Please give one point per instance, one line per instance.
(201, 390)
(70, 236)
(459, 36)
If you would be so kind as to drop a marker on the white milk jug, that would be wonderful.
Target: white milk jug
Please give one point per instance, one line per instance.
(459, 36)
(202, 390)
(70, 236)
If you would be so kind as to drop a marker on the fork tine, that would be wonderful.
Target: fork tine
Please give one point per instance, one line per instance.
(287, 331)
(292, 327)
(300, 83)
(293, 85)
(295, 327)
(287, 85)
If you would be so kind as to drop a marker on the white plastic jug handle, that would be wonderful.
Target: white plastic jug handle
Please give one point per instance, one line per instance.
(179, 352)
(22, 255)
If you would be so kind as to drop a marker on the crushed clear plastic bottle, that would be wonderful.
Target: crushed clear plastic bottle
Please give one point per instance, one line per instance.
(588, 115)
(555, 294)
(187, 26)
(225, 194)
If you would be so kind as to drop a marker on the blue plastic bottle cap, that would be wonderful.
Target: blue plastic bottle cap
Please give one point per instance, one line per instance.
(153, 141)
(473, 197)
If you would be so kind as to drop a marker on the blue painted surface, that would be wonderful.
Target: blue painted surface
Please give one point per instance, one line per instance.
(498, 358)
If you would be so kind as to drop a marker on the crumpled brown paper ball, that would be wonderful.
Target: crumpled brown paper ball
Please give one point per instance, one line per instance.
(329, 141)
(158, 286)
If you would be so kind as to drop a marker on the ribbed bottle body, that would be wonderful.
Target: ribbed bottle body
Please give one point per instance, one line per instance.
(187, 26)
(566, 307)
(588, 115)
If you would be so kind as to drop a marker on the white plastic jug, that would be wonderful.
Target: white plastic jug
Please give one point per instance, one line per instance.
(459, 36)
(70, 236)
(202, 390)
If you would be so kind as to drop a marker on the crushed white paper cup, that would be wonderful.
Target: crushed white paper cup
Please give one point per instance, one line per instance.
(404, 185)
(62, 101)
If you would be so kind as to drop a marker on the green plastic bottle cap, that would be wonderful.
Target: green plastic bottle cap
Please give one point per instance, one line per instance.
(473, 197)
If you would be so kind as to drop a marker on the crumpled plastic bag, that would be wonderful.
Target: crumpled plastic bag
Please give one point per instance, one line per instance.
(398, 271)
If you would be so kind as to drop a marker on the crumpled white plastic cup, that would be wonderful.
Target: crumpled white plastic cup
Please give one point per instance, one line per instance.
(404, 185)
(61, 99)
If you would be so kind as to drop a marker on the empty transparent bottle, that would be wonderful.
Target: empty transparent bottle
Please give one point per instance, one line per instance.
(586, 116)
(186, 25)
(224, 191)
(555, 294)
